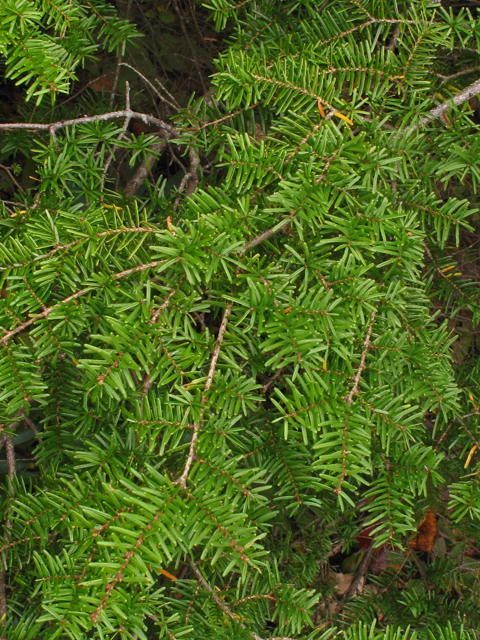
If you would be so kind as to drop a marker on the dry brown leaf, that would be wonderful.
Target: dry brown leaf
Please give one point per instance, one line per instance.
(102, 83)
(427, 533)
(343, 580)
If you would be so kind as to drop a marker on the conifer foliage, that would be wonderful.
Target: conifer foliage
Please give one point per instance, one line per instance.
(237, 383)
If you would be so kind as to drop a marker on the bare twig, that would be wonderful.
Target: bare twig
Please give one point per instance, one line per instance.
(10, 451)
(189, 44)
(12, 178)
(268, 384)
(190, 179)
(181, 187)
(84, 88)
(103, 117)
(154, 89)
(264, 236)
(420, 567)
(33, 428)
(119, 60)
(458, 74)
(461, 97)
(361, 367)
(208, 588)
(437, 112)
(393, 42)
(172, 98)
(182, 481)
(143, 170)
(120, 137)
(13, 202)
(3, 599)
(361, 571)
(193, 177)
(164, 305)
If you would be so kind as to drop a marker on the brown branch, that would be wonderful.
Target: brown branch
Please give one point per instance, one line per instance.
(267, 385)
(264, 236)
(120, 137)
(361, 367)
(164, 305)
(119, 59)
(461, 97)
(190, 179)
(84, 88)
(33, 428)
(220, 602)
(182, 481)
(393, 42)
(181, 187)
(78, 294)
(69, 245)
(193, 176)
(189, 44)
(144, 169)
(12, 178)
(10, 451)
(420, 567)
(3, 598)
(457, 75)
(154, 89)
(172, 98)
(437, 112)
(361, 571)
(103, 117)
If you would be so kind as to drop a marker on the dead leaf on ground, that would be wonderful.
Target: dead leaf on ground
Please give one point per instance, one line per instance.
(102, 83)
(427, 533)
(344, 580)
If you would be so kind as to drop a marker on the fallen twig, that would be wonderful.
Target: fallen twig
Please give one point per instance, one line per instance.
(361, 571)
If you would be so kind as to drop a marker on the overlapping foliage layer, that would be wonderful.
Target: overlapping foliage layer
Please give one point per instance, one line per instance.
(230, 397)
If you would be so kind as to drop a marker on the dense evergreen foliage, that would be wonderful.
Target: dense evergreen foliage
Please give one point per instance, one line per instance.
(226, 387)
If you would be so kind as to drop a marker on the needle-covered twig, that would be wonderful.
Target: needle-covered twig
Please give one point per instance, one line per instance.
(182, 481)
